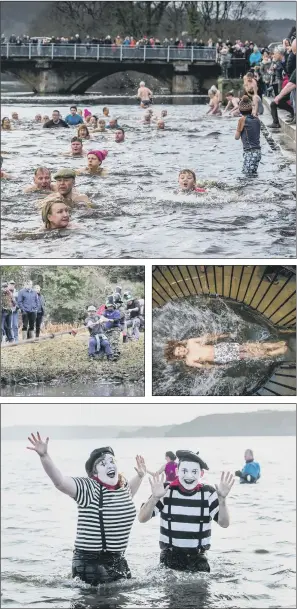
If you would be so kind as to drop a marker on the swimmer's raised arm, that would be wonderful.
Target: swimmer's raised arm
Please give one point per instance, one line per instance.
(65, 484)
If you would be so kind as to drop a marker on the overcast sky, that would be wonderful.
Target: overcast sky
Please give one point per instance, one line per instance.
(280, 10)
(118, 414)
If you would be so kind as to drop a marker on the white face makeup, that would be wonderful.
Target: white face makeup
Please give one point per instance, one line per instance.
(106, 469)
(189, 473)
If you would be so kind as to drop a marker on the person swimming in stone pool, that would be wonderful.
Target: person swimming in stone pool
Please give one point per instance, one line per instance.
(205, 352)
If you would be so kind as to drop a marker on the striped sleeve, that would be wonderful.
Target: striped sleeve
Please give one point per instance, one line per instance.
(158, 508)
(83, 491)
(213, 502)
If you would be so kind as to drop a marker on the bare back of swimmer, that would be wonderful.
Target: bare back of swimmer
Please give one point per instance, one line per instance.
(144, 93)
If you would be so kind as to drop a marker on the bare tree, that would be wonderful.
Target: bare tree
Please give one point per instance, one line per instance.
(175, 18)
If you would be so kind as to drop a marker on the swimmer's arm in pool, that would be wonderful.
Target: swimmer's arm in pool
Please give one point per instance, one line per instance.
(229, 105)
(65, 484)
(239, 128)
(80, 198)
(5, 176)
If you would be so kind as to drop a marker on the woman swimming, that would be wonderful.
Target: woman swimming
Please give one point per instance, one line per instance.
(6, 124)
(83, 132)
(200, 352)
(95, 158)
(55, 214)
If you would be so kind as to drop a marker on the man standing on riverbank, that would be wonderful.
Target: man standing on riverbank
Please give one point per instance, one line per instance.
(28, 304)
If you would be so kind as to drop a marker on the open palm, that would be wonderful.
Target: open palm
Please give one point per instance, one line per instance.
(140, 466)
(38, 445)
(226, 483)
(157, 486)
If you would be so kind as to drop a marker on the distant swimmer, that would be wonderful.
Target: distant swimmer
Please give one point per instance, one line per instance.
(83, 132)
(113, 124)
(232, 104)
(77, 149)
(147, 117)
(38, 118)
(55, 215)
(45, 118)
(93, 122)
(4, 175)
(65, 186)
(15, 118)
(160, 124)
(6, 124)
(205, 352)
(144, 94)
(55, 121)
(106, 112)
(73, 118)
(187, 181)
(119, 135)
(87, 115)
(41, 180)
(251, 471)
(101, 125)
(169, 468)
(214, 101)
(95, 158)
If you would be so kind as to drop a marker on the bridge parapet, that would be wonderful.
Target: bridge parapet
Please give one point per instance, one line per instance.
(93, 53)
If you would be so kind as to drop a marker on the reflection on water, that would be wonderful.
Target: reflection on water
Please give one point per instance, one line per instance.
(199, 315)
(138, 213)
(75, 389)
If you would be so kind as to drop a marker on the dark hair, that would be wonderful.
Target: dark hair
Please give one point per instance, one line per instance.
(170, 348)
(250, 74)
(120, 129)
(56, 111)
(171, 455)
(4, 118)
(75, 107)
(76, 139)
(230, 93)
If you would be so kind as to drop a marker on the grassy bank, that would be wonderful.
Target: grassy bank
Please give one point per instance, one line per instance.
(66, 358)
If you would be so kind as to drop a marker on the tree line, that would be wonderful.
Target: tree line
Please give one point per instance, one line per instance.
(69, 290)
(159, 19)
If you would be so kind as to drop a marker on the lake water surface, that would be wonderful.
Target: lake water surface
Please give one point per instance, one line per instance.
(138, 213)
(252, 562)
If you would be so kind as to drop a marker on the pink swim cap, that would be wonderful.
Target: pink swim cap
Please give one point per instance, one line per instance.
(87, 112)
(101, 154)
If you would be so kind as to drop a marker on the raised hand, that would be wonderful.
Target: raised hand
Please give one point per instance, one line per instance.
(226, 483)
(38, 445)
(157, 486)
(141, 466)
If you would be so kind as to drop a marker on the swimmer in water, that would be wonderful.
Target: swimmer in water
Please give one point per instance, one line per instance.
(146, 118)
(101, 125)
(93, 122)
(45, 119)
(232, 104)
(214, 101)
(6, 124)
(160, 124)
(95, 158)
(4, 175)
(200, 352)
(15, 118)
(55, 215)
(187, 182)
(106, 111)
(65, 187)
(144, 94)
(41, 180)
(38, 118)
(119, 135)
(113, 124)
(77, 150)
(83, 133)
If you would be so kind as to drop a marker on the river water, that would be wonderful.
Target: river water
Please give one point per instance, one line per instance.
(138, 214)
(199, 315)
(75, 389)
(252, 562)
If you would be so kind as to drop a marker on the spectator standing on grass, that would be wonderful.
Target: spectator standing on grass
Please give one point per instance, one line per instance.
(7, 304)
(40, 310)
(28, 304)
(14, 312)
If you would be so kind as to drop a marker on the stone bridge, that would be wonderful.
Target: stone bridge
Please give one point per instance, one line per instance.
(55, 68)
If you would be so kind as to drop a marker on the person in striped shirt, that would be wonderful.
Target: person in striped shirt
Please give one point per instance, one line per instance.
(186, 509)
(106, 512)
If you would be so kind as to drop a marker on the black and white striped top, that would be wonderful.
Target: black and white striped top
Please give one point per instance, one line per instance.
(185, 517)
(118, 516)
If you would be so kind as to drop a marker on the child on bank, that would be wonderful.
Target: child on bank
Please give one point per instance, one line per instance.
(248, 130)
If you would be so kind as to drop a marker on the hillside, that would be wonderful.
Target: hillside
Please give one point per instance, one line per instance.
(67, 432)
(261, 423)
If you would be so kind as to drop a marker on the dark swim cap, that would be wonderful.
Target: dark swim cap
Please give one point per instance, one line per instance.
(95, 454)
(188, 455)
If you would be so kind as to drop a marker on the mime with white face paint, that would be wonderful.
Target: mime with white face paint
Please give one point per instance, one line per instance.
(106, 512)
(186, 509)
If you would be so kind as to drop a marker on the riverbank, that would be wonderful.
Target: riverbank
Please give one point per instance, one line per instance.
(66, 359)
